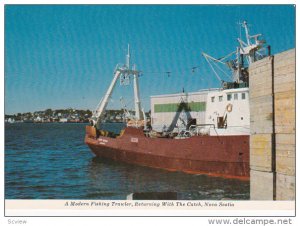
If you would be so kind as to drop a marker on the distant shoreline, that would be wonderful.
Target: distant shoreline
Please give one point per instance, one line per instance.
(63, 116)
(20, 122)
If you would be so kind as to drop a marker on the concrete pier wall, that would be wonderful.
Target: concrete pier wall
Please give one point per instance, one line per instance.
(272, 119)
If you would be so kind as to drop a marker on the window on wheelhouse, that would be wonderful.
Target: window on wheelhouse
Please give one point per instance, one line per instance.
(229, 97)
(235, 96)
(243, 96)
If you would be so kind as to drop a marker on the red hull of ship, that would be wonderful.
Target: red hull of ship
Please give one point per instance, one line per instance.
(224, 156)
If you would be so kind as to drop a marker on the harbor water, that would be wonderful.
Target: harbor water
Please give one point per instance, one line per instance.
(51, 161)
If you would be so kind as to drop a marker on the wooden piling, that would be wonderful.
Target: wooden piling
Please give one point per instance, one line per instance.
(272, 118)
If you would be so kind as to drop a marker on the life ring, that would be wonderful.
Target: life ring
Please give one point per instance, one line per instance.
(229, 107)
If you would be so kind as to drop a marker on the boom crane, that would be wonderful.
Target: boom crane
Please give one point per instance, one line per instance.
(120, 71)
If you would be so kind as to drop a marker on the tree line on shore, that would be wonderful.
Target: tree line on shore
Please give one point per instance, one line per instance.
(63, 115)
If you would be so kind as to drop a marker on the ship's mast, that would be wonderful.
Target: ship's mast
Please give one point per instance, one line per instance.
(250, 51)
(102, 106)
(125, 72)
(137, 103)
(247, 32)
(128, 57)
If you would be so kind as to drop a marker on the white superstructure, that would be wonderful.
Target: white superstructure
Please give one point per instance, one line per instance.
(211, 112)
(167, 114)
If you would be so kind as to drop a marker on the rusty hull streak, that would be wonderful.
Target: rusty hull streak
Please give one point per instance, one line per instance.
(218, 156)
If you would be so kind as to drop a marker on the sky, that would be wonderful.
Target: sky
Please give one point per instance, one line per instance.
(64, 56)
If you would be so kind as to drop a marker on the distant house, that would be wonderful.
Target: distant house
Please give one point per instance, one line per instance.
(38, 119)
(10, 120)
(63, 120)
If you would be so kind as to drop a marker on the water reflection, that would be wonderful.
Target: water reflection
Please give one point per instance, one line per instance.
(123, 179)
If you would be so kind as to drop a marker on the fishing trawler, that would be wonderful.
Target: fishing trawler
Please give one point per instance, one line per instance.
(205, 132)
